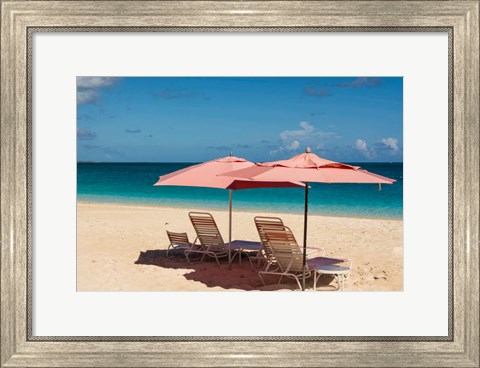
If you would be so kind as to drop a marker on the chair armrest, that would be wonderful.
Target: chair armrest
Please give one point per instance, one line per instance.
(311, 250)
(349, 262)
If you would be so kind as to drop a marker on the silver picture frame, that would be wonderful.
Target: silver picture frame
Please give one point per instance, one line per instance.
(19, 22)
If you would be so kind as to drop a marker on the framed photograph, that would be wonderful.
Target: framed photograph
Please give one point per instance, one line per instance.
(216, 183)
(219, 123)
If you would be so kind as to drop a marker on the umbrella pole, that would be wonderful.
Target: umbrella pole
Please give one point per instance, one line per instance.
(305, 237)
(229, 228)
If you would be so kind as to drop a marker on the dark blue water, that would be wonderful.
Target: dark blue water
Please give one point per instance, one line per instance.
(133, 183)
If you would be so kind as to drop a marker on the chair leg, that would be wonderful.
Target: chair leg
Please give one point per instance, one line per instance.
(340, 281)
(250, 261)
(298, 282)
(251, 264)
(267, 266)
(261, 278)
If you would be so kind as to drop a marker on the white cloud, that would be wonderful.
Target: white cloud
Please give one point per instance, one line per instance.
(96, 82)
(362, 146)
(307, 136)
(307, 128)
(88, 88)
(87, 96)
(385, 146)
(293, 146)
(307, 133)
(391, 143)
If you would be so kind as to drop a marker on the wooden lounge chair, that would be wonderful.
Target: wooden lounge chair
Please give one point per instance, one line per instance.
(289, 258)
(267, 254)
(210, 240)
(178, 241)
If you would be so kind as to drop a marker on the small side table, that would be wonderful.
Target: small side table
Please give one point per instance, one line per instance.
(338, 271)
(240, 246)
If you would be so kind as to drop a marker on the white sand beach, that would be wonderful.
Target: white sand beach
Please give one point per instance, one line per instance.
(122, 248)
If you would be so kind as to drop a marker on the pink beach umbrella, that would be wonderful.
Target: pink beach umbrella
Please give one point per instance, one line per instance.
(308, 167)
(207, 174)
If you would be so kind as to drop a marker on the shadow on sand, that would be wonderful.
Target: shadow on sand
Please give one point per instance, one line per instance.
(241, 276)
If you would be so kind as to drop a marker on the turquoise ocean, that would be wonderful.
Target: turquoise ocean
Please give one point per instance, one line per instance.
(132, 183)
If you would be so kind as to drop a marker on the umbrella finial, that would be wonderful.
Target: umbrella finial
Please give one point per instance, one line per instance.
(231, 154)
(308, 150)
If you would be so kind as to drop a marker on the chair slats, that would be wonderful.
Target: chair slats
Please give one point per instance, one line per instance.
(285, 248)
(177, 241)
(211, 241)
(270, 222)
(178, 238)
(207, 231)
(289, 258)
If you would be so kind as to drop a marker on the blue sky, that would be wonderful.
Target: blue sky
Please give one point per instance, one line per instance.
(185, 119)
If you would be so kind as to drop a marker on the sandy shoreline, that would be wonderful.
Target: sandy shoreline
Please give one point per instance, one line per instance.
(237, 210)
(120, 247)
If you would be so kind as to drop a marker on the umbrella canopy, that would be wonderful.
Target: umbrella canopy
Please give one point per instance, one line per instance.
(207, 174)
(308, 167)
